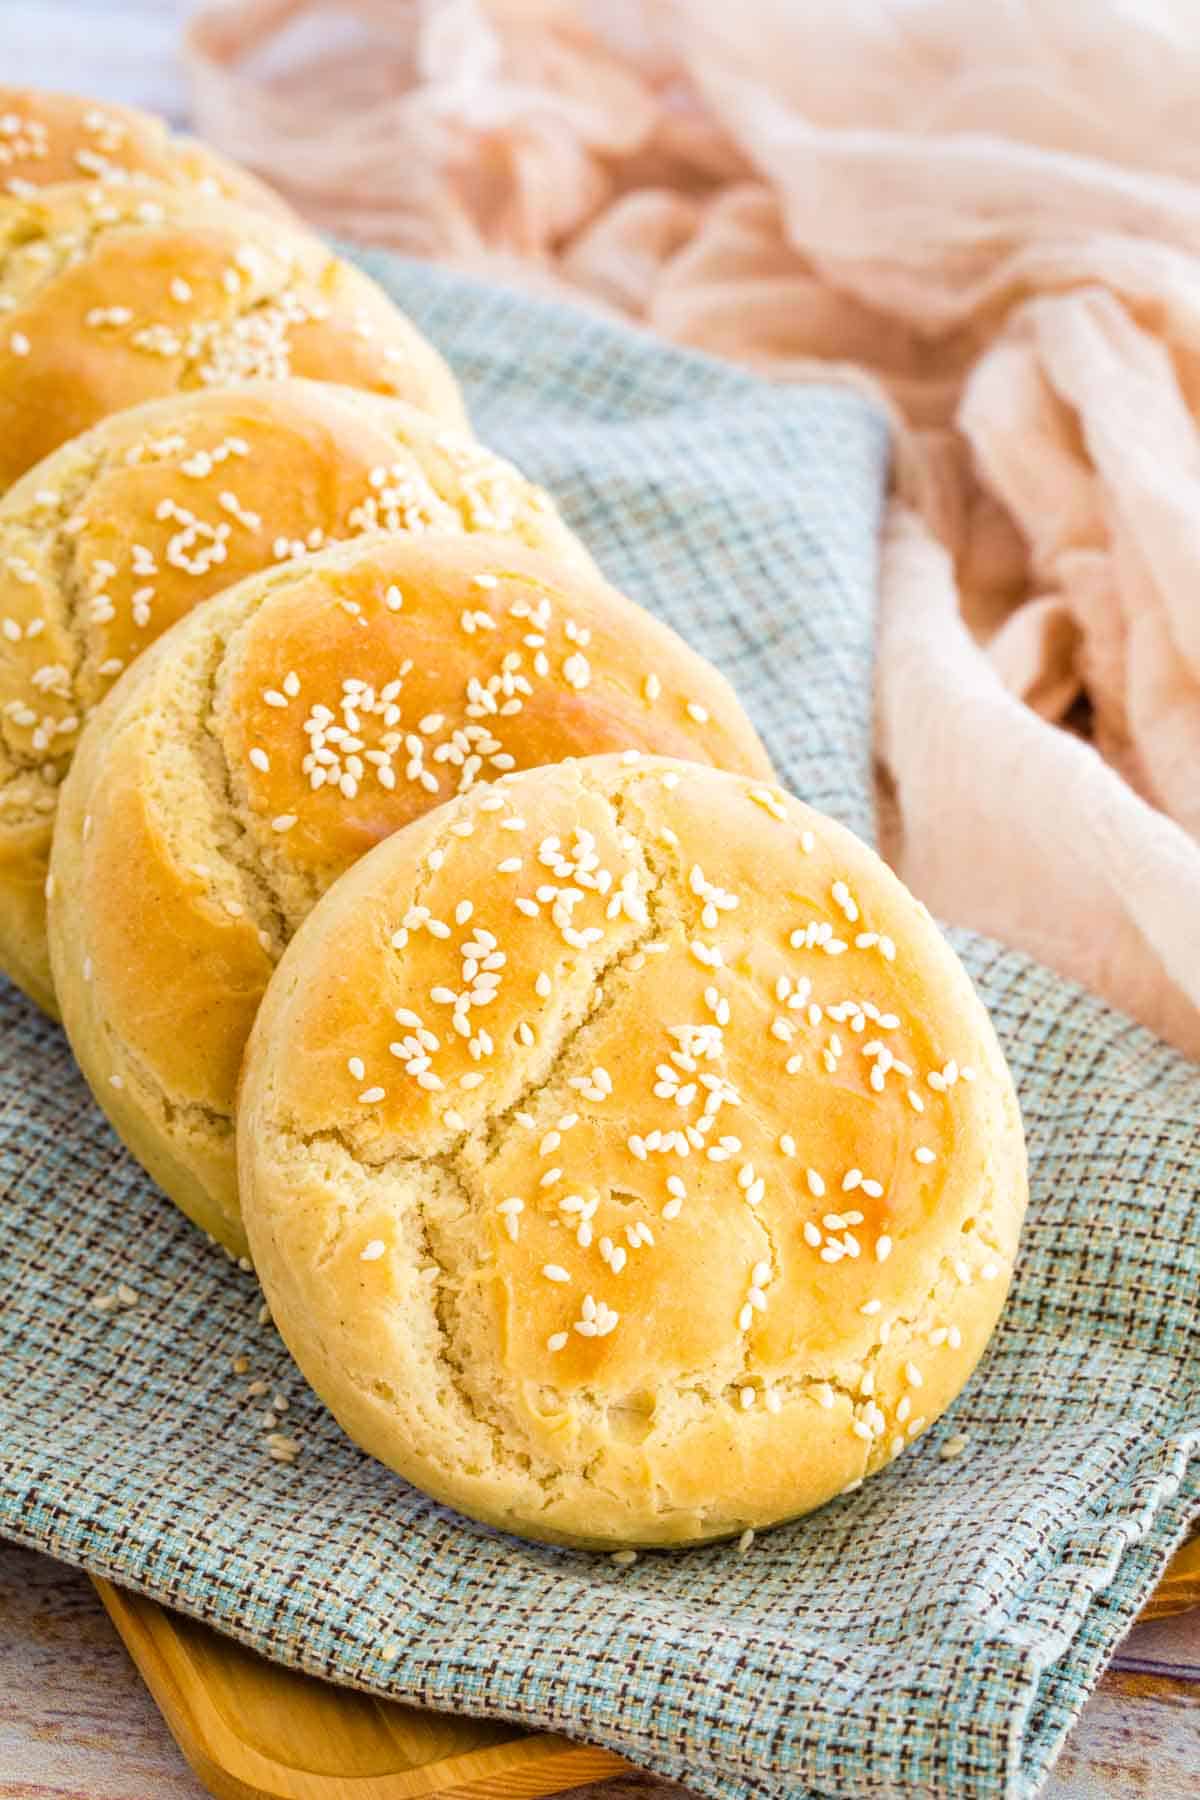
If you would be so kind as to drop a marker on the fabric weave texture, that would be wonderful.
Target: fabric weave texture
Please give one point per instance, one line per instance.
(934, 1633)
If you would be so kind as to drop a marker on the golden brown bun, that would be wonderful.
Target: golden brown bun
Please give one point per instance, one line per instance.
(47, 138)
(112, 294)
(492, 1257)
(118, 534)
(191, 840)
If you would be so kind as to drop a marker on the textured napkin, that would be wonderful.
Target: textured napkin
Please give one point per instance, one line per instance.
(934, 1633)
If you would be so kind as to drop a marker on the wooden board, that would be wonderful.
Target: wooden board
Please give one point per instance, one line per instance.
(255, 1731)
(1179, 1589)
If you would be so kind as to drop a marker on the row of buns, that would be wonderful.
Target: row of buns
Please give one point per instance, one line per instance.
(625, 1157)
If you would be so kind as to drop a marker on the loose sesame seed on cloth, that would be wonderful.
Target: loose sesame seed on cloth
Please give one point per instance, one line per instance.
(933, 1632)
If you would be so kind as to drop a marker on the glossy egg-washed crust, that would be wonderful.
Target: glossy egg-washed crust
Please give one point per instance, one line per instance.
(116, 293)
(122, 531)
(196, 831)
(46, 138)
(487, 1249)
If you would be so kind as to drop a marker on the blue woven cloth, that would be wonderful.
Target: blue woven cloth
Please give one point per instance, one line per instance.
(934, 1633)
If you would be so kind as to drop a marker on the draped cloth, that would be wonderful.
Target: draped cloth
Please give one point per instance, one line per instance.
(990, 214)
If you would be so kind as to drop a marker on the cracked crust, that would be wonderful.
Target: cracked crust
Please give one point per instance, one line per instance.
(122, 531)
(274, 735)
(112, 294)
(49, 137)
(811, 1295)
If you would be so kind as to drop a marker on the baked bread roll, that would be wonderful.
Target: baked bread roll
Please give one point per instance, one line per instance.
(46, 138)
(111, 294)
(274, 735)
(627, 1158)
(119, 533)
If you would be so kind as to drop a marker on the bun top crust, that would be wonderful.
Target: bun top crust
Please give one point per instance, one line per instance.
(47, 138)
(115, 536)
(113, 294)
(275, 735)
(626, 1157)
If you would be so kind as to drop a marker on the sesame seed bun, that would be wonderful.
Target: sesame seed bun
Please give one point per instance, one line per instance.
(46, 138)
(112, 294)
(273, 736)
(119, 533)
(704, 1212)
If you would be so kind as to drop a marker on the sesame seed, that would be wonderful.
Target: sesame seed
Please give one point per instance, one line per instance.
(923, 1154)
(697, 712)
(787, 1144)
(883, 1248)
(371, 1096)
(260, 759)
(953, 1447)
(555, 1272)
(357, 1068)
(816, 1184)
(745, 1541)
(623, 1559)
(913, 1375)
(283, 822)
(373, 1251)
(18, 343)
(557, 1342)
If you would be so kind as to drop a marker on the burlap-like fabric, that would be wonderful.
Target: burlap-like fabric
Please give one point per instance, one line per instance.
(934, 1633)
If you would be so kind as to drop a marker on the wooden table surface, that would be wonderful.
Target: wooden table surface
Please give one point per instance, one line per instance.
(75, 1721)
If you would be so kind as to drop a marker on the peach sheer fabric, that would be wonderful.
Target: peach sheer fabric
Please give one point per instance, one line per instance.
(991, 214)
